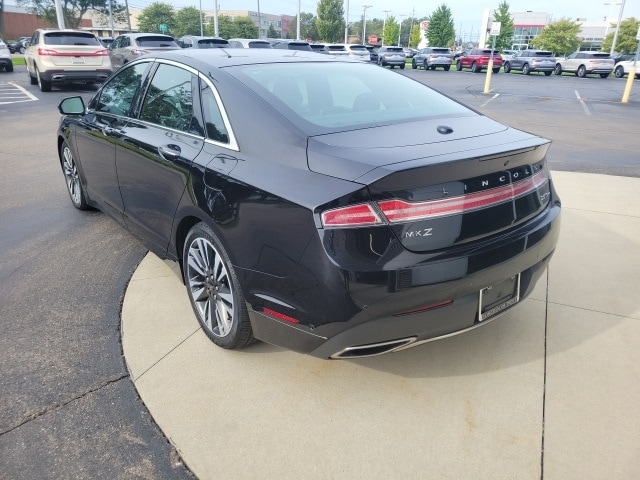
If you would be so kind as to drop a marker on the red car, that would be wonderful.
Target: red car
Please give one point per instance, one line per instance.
(478, 59)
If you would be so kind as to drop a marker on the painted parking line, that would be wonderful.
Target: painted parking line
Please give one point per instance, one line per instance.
(12, 93)
(584, 105)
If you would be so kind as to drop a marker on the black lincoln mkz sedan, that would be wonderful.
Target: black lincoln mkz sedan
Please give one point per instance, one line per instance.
(312, 202)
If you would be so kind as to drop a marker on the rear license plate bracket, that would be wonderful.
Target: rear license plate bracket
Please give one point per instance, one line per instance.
(497, 298)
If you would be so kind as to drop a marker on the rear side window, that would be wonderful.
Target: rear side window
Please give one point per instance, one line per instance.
(259, 45)
(544, 54)
(440, 50)
(216, 129)
(71, 38)
(117, 95)
(169, 99)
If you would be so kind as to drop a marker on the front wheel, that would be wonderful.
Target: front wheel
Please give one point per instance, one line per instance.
(474, 67)
(402, 66)
(525, 69)
(547, 73)
(413, 64)
(446, 68)
(558, 70)
(496, 70)
(619, 72)
(214, 290)
(507, 67)
(72, 178)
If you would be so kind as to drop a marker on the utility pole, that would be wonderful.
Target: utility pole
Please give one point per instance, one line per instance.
(215, 18)
(615, 35)
(364, 23)
(413, 15)
(400, 29)
(384, 24)
(346, 23)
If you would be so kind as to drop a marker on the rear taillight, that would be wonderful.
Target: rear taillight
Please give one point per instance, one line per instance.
(138, 51)
(361, 215)
(47, 52)
(400, 211)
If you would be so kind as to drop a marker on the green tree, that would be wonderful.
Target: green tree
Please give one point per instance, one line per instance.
(271, 32)
(156, 14)
(245, 28)
(561, 37)
(187, 22)
(330, 22)
(391, 31)
(504, 41)
(308, 26)
(226, 28)
(626, 41)
(415, 38)
(441, 31)
(72, 10)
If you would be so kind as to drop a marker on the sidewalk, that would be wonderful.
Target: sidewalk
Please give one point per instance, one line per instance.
(554, 384)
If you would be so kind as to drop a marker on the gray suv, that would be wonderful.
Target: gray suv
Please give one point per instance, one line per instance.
(392, 56)
(130, 46)
(529, 61)
(432, 57)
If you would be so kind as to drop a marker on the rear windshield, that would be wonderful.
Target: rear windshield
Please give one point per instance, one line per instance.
(440, 50)
(156, 42)
(212, 43)
(488, 52)
(544, 54)
(70, 38)
(334, 96)
(395, 49)
(336, 48)
(259, 45)
(358, 47)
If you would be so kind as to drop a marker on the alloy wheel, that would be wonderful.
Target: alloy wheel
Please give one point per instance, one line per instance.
(71, 176)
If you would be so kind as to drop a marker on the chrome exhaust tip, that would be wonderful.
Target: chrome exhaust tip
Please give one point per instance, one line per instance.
(372, 349)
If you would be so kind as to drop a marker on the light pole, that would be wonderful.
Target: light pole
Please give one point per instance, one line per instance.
(201, 27)
(346, 23)
(615, 35)
(364, 23)
(400, 29)
(215, 17)
(384, 24)
(606, 31)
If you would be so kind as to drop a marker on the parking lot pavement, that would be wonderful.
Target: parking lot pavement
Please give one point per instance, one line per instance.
(10, 92)
(547, 391)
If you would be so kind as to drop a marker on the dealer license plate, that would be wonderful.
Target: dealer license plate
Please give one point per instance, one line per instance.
(497, 298)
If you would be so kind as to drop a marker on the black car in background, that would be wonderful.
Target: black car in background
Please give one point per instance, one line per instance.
(323, 205)
(19, 46)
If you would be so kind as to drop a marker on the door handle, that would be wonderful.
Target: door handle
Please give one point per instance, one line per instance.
(170, 152)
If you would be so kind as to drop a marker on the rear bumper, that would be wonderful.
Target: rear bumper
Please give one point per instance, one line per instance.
(384, 315)
(62, 76)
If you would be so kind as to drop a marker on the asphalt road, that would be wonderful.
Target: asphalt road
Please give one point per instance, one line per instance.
(67, 406)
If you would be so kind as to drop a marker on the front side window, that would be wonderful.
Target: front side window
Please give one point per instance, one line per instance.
(117, 95)
(169, 99)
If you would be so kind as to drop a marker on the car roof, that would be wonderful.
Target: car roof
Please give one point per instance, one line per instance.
(202, 58)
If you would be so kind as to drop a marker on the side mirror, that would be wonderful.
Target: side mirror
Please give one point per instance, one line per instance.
(71, 106)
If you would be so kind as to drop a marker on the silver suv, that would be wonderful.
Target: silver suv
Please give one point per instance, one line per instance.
(531, 61)
(392, 56)
(432, 57)
(130, 46)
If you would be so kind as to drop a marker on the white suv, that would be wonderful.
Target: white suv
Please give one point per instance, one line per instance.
(65, 56)
(5, 57)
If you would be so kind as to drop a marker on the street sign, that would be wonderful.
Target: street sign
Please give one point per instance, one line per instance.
(424, 24)
(373, 39)
(495, 29)
(163, 28)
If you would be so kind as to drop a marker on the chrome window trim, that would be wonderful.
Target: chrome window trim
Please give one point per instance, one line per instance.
(233, 143)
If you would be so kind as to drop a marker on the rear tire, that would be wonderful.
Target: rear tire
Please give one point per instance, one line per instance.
(32, 80)
(581, 72)
(413, 64)
(458, 66)
(214, 290)
(619, 72)
(548, 73)
(496, 70)
(604, 75)
(525, 69)
(507, 67)
(474, 67)
(446, 68)
(9, 67)
(45, 86)
(402, 66)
